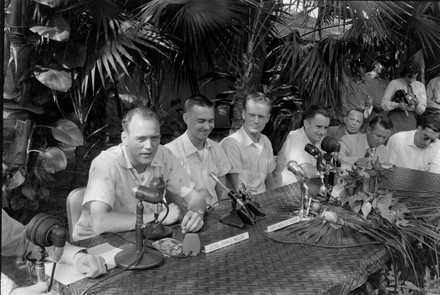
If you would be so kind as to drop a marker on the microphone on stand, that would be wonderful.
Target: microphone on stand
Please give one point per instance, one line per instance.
(140, 257)
(44, 230)
(236, 217)
(158, 230)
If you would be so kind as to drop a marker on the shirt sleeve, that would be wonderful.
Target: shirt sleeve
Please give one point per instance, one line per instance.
(232, 151)
(14, 241)
(223, 162)
(178, 181)
(421, 107)
(101, 185)
(387, 104)
(434, 166)
(392, 145)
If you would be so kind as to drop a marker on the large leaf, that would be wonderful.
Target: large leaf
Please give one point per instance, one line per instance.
(67, 132)
(54, 160)
(16, 180)
(72, 55)
(54, 79)
(50, 3)
(56, 29)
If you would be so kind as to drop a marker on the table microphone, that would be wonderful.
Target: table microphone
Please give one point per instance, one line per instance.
(147, 194)
(296, 169)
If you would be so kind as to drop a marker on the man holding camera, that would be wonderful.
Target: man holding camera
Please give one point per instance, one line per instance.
(316, 121)
(363, 148)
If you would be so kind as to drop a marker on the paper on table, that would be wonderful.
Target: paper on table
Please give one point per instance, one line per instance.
(67, 274)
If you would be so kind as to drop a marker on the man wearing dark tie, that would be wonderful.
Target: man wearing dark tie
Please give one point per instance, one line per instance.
(367, 147)
(403, 112)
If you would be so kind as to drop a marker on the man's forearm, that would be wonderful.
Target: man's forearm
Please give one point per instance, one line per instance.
(116, 221)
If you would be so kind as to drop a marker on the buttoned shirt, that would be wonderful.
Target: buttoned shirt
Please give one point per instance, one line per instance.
(200, 163)
(252, 161)
(355, 146)
(112, 178)
(400, 84)
(356, 96)
(433, 89)
(404, 153)
(293, 150)
(376, 87)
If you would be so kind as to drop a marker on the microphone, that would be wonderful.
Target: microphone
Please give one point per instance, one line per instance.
(44, 231)
(312, 150)
(231, 193)
(147, 194)
(296, 169)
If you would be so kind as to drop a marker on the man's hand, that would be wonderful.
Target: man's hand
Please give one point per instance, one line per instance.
(192, 222)
(90, 265)
(405, 107)
(38, 288)
(174, 215)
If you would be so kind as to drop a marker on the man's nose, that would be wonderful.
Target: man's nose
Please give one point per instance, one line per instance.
(147, 144)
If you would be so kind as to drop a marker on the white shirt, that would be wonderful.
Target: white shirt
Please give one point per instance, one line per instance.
(199, 164)
(433, 89)
(400, 84)
(293, 150)
(404, 153)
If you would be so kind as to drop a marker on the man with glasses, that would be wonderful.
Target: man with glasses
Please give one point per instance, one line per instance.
(402, 112)
(418, 149)
(364, 148)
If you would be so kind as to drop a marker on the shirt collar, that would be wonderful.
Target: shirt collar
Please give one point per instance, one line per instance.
(189, 147)
(125, 162)
(247, 141)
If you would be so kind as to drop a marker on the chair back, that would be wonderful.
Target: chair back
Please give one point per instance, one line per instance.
(74, 208)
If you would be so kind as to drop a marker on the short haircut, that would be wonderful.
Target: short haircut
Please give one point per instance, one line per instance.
(411, 68)
(430, 120)
(199, 100)
(314, 110)
(382, 120)
(257, 97)
(145, 113)
(359, 110)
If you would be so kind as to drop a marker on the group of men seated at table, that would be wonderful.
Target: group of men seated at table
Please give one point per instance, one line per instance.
(243, 160)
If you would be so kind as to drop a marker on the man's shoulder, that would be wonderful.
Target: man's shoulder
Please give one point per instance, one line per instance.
(164, 155)
(172, 145)
(352, 138)
(233, 139)
(113, 154)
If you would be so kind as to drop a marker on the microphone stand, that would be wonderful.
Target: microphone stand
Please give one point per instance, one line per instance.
(158, 231)
(145, 257)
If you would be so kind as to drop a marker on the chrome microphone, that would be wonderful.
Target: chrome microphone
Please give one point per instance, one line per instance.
(296, 169)
(147, 194)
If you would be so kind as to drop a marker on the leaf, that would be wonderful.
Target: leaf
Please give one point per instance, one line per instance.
(56, 29)
(366, 209)
(17, 202)
(54, 160)
(72, 55)
(43, 192)
(50, 3)
(28, 192)
(54, 79)
(337, 190)
(16, 180)
(67, 132)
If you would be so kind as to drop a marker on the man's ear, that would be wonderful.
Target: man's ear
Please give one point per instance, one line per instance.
(243, 114)
(185, 118)
(124, 137)
(306, 123)
(345, 120)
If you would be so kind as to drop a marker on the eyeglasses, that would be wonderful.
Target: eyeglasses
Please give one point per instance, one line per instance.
(427, 138)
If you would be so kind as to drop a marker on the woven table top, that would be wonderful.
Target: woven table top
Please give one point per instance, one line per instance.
(254, 266)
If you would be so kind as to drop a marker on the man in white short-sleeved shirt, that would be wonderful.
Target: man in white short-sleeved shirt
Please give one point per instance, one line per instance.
(198, 154)
(250, 152)
(418, 149)
(109, 204)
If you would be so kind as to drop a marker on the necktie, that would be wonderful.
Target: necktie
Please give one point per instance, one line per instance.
(410, 90)
(369, 153)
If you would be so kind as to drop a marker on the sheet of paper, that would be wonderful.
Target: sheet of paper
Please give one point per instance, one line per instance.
(67, 274)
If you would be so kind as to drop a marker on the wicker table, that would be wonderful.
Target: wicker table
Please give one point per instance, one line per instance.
(254, 266)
